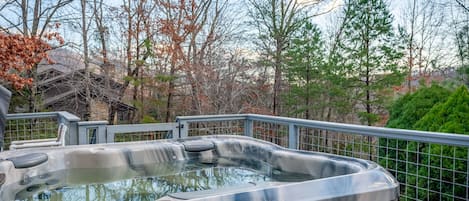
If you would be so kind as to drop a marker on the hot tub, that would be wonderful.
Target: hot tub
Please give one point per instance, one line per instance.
(196, 168)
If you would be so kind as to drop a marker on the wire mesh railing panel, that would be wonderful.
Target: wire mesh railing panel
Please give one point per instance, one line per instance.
(230, 127)
(425, 171)
(29, 129)
(142, 136)
(357, 146)
(271, 132)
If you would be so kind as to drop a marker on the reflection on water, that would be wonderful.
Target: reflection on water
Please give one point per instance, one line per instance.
(192, 177)
(151, 188)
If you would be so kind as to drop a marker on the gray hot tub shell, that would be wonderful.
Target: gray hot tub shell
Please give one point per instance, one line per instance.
(336, 177)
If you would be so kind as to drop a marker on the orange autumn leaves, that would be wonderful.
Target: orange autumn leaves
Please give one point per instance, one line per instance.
(18, 55)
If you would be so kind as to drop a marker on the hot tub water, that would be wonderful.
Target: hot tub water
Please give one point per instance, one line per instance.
(195, 177)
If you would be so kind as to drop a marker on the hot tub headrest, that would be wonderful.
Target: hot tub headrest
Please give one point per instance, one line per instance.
(29, 160)
(198, 145)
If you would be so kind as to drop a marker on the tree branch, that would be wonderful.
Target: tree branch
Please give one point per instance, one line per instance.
(462, 5)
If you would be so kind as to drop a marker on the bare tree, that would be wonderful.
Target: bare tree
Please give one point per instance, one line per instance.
(35, 18)
(423, 23)
(463, 5)
(276, 21)
(190, 29)
(102, 35)
(410, 43)
(35, 15)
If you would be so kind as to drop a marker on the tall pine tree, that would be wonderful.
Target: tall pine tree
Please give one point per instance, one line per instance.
(305, 72)
(372, 51)
(317, 83)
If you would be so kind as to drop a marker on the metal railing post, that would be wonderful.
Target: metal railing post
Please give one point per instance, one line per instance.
(100, 126)
(71, 121)
(82, 134)
(183, 127)
(248, 127)
(293, 131)
(72, 134)
(175, 132)
(101, 133)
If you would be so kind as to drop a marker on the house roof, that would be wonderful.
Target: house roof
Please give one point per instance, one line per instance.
(68, 70)
(54, 99)
(63, 60)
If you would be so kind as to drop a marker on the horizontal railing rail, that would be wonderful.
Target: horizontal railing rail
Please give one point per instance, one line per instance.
(65, 115)
(401, 134)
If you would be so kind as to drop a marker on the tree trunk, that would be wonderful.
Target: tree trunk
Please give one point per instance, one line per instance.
(194, 93)
(277, 79)
(368, 92)
(307, 101)
(99, 20)
(84, 30)
(24, 16)
(170, 94)
(411, 47)
(130, 72)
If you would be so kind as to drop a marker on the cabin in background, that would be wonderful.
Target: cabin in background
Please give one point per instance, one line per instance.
(61, 86)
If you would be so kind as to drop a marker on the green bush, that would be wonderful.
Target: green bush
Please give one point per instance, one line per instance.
(429, 168)
(451, 116)
(148, 119)
(409, 109)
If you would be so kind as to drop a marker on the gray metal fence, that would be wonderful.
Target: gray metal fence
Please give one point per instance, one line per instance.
(428, 165)
(31, 126)
(141, 132)
(96, 132)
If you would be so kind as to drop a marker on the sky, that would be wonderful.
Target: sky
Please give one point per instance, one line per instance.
(323, 21)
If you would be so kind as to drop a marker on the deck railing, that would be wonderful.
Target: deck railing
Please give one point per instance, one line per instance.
(428, 165)
(31, 126)
(96, 132)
